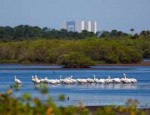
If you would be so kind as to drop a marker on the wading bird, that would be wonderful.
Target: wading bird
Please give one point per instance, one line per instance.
(17, 81)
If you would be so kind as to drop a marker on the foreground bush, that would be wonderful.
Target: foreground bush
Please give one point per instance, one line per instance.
(26, 105)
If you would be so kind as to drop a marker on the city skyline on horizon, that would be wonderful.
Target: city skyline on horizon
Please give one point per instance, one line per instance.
(79, 26)
(110, 15)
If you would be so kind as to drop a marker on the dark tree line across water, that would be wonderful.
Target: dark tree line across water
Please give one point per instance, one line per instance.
(34, 32)
(26, 44)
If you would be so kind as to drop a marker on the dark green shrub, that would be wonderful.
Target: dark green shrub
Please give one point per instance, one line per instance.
(75, 60)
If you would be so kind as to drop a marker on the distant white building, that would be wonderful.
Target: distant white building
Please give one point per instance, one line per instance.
(90, 26)
(83, 25)
(95, 27)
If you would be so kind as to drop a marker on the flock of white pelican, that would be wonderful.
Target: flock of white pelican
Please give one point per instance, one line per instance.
(70, 80)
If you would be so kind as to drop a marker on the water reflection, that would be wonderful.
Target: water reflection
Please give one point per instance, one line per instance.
(94, 86)
(118, 86)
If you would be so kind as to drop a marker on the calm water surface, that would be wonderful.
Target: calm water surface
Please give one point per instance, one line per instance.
(94, 94)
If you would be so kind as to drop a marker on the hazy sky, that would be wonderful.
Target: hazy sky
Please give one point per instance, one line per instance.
(109, 14)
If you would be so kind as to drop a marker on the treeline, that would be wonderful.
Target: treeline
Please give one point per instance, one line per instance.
(75, 53)
(145, 34)
(33, 32)
(22, 32)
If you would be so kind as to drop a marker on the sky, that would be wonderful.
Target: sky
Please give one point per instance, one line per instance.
(109, 14)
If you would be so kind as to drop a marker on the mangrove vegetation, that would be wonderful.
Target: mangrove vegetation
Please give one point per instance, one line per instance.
(26, 44)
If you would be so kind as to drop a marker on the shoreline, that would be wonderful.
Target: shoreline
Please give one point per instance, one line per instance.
(133, 64)
(94, 108)
(144, 63)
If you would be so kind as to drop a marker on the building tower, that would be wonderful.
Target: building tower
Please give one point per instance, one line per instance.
(83, 25)
(95, 27)
(70, 26)
(89, 28)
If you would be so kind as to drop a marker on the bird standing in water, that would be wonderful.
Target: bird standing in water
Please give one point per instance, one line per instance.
(17, 81)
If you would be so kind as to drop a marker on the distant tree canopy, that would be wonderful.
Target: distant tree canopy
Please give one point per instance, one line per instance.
(119, 34)
(31, 32)
(113, 34)
(21, 32)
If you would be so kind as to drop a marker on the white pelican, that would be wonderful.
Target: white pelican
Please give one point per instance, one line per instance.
(101, 80)
(81, 81)
(61, 80)
(108, 80)
(57, 81)
(117, 80)
(125, 79)
(45, 80)
(33, 79)
(73, 80)
(67, 80)
(96, 80)
(133, 80)
(42, 80)
(17, 81)
(36, 80)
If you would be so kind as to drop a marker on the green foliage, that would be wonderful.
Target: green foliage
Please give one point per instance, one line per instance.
(113, 34)
(132, 103)
(75, 53)
(62, 97)
(22, 32)
(105, 111)
(75, 60)
(26, 97)
(44, 89)
(27, 32)
(15, 87)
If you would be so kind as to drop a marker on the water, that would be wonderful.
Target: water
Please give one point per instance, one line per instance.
(92, 95)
